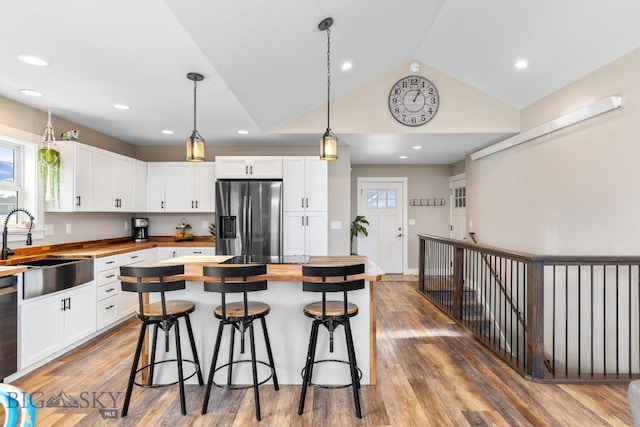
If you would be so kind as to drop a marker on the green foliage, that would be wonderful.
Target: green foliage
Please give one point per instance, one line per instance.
(49, 173)
(358, 226)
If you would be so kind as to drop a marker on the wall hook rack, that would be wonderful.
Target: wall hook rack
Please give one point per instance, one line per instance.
(430, 201)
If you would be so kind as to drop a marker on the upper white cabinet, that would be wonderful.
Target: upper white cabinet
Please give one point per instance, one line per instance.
(141, 186)
(94, 180)
(181, 187)
(114, 182)
(76, 179)
(304, 184)
(248, 167)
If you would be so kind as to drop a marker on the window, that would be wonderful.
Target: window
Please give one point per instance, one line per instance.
(10, 177)
(381, 199)
(460, 197)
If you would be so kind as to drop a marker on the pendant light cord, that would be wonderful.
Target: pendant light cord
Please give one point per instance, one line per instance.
(195, 85)
(328, 73)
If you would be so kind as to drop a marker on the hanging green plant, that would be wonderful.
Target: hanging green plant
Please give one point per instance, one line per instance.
(49, 166)
(49, 173)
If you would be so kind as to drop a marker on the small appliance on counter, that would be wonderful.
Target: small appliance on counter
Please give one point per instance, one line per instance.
(139, 229)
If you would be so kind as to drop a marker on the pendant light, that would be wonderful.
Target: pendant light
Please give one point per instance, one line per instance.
(329, 142)
(195, 143)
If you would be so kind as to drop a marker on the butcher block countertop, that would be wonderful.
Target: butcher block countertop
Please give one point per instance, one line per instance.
(100, 248)
(277, 272)
(9, 270)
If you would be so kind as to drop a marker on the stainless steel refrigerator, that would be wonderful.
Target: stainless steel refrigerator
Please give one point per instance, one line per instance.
(249, 217)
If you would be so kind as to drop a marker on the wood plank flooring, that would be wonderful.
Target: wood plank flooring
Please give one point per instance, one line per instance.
(430, 373)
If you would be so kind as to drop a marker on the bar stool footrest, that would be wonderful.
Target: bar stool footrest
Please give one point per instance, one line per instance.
(166, 384)
(242, 386)
(331, 386)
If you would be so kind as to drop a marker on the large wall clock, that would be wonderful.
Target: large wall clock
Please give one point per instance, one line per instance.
(413, 101)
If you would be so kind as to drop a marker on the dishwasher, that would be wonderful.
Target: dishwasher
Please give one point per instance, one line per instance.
(8, 326)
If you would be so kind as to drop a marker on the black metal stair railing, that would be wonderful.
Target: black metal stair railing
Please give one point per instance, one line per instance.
(551, 318)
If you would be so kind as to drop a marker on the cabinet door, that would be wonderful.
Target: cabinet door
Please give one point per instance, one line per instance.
(179, 187)
(232, 167)
(40, 329)
(195, 251)
(155, 187)
(316, 172)
(205, 194)
(293, 233)
(83, 178)
(293, 183)
(103, 181)
(141, 186)
(266, 167)
(316, 233)
(124, 178)
(80, 315)
(166, 253)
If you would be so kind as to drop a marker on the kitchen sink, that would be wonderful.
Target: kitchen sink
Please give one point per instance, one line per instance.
(45, 276)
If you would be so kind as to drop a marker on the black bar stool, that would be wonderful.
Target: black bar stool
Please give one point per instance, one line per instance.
(331, 314)
(240, 316)
(163, 314)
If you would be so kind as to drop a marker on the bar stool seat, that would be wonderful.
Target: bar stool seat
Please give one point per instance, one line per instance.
(330, 315)
(236, 310)
(332, 309)
(163, 315)
(239, 316)
(173, 308)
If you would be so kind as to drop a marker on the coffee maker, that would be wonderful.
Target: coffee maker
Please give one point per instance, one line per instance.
(139, 229)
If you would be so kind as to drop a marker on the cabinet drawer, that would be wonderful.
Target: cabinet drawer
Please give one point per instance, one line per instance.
(108, 290)
(107, 263)
(107, 276)
(107, 311)
(131, 258)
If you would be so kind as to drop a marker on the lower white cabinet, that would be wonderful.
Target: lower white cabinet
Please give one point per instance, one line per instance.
(172, 252)
(304, 233)
(112, 303)
(53, 322)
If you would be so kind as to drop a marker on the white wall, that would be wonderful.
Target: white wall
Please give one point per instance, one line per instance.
(573, 192)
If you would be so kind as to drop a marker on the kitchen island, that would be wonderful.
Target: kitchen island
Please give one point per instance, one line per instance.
(288, 328)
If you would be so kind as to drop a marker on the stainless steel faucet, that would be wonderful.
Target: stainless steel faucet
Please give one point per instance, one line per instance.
(29, 242)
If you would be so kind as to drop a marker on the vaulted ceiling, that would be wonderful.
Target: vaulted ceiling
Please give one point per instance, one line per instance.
(265, 63)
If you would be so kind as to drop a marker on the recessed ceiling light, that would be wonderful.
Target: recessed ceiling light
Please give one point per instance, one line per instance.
(33, 60)
(346, 66)
(30, 92)
(243, 132)
(403, 157)
(121, 107)
(521, 64)
(417, 147)
(167, 132)
(414, 67)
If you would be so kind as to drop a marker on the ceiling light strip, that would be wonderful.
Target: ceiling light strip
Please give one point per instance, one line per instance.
(597, 108)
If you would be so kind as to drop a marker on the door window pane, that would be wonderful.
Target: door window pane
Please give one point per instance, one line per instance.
(381, 199)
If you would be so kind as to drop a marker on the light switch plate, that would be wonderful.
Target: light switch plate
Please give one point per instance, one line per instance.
(412, 222)
(336, 225)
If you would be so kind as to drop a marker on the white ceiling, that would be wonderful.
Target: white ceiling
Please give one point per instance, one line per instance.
(261, 61)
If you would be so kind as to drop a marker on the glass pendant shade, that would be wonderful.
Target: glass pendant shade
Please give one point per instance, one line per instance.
(329, 146)
(195, 148)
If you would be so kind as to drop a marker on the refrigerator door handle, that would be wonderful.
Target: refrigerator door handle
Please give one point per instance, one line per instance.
(247, 235)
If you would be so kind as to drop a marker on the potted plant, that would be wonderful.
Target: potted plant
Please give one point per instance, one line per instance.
(358, 226)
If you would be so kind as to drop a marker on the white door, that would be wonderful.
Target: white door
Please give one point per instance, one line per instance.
(381, 202)
(458, 203)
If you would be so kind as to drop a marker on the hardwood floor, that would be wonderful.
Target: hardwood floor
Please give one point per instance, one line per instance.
(430, 372)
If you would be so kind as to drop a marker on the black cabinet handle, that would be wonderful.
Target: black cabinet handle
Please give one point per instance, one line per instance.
(77, 200)
(109, 307)
(110, 290)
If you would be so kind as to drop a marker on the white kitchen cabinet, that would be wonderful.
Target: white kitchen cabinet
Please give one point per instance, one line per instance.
(304, 184)
(181, 187)
(114, 182)
(304, 233)
(76, 179)
(51, 323)
(140, 204)
(248, 167)
(172, 252)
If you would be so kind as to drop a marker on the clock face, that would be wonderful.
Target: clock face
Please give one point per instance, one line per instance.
(413, 101)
